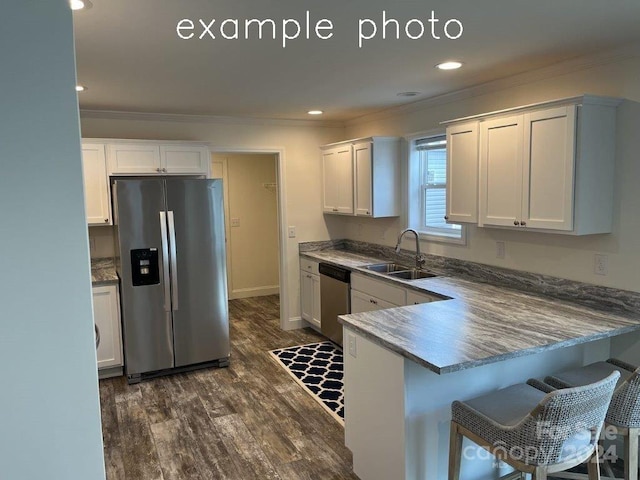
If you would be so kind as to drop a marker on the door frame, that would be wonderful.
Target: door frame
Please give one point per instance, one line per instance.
(285, 322)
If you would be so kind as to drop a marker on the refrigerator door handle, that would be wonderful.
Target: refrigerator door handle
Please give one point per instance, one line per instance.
(165, 261)
(174, 261)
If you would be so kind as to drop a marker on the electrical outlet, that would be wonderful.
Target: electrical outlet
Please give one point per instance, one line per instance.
(600, 264)
(500, 249)
(235, 222)
(292, 232)
(351, 340)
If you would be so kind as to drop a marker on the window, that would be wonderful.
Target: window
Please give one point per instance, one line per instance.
(428, 189)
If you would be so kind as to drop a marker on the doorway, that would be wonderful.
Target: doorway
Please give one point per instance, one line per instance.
(251, 221)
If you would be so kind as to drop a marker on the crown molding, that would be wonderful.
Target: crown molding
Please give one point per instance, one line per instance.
(585, 62)
(215, 119)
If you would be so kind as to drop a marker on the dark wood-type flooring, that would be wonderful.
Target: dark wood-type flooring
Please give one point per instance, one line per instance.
(248, 421)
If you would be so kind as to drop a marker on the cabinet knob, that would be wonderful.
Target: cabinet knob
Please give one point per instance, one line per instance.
(164, 169)
(368, 212)
(335, 209)
(446, 217)
(158, 169)
(373, 301)
(106, 220)
(516, 223)
(523, 223)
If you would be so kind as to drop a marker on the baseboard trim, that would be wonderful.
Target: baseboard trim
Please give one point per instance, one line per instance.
(294, 323)
(254, 292)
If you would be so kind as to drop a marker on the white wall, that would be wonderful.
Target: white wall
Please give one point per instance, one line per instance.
(557, 255)
(49, 405)
(253, 239)
(302, 168)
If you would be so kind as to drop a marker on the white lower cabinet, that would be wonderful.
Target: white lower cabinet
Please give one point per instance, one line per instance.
(415, 298)
(310, 292)
(363, 302)
(106, 315)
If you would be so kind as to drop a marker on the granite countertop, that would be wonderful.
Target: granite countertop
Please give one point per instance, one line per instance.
(103, 272)
(479, 324)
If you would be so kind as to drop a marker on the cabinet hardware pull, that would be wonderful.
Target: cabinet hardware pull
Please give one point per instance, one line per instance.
(97, 330)
(446, 217)
(516, 223)
(523, 224)
(158, 169)
(164, 169)
(373, 301)
(106, 220)
(335, 209)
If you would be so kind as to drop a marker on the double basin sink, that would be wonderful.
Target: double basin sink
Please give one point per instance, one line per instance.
(395, 270)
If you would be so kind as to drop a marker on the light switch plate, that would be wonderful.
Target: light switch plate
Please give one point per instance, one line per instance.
(600, 264)
(292, 231)
(235, 222)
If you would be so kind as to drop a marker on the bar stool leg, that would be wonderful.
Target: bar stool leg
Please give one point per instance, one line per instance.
(631, 454)
(593, 466)
(540, 473)
(455, 452)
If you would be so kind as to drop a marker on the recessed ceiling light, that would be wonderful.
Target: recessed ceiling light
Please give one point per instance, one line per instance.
(80, 4)
(408, 94)
(449, 65)
(315, 112)
(81, 88)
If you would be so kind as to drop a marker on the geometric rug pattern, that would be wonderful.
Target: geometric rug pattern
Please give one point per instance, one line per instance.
(318, 368)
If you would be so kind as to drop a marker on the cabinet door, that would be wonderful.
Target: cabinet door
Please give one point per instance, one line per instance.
(316, 317)
(501, 171)
(462, 173)
(306, 296)
(133, 159)
(549, 147)
(184, 159)
(337, 180)
(415, 298)
(96, 188)
(106, 315)
(362, 302)
(364, 180)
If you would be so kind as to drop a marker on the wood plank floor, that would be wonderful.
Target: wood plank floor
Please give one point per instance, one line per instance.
(248, 421)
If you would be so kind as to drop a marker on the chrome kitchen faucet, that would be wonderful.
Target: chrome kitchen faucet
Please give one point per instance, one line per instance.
(420, 258)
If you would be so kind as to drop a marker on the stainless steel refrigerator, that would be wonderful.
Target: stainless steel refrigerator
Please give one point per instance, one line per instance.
(170, 243)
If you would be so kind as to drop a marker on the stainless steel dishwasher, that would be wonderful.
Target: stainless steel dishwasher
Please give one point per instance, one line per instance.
(334, 299)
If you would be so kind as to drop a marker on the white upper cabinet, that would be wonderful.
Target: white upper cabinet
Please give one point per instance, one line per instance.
(500, 168)
(337, 180)
(96, 188)
(157, 158)
(361, 177)
(546, 168)
(462, 173)
(133, 159)
(548, 173)
(184, 159)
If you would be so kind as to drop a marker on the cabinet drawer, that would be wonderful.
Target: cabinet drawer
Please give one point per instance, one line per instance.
(361, 302)
(309, 266)
(376, 288)
(415, 298)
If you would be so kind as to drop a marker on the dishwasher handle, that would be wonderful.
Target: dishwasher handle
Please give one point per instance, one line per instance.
(332, 271)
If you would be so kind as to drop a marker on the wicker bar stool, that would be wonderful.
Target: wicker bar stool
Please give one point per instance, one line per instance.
(624, 411)
(534, 431)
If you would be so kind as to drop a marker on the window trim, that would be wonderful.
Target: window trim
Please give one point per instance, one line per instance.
(415, 190)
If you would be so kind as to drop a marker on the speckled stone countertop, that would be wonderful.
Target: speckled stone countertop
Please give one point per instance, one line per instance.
(480, 323)
(103, 272)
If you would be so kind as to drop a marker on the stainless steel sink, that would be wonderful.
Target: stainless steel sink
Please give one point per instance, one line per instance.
(399, 271)
(412, 274)
(386, 267)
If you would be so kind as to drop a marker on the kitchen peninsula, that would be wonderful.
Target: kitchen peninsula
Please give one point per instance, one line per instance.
(404, 366)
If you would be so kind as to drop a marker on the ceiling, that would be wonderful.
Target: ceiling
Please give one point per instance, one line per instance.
(131, 58)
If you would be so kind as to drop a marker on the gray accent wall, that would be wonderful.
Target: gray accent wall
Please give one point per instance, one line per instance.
(49, 405)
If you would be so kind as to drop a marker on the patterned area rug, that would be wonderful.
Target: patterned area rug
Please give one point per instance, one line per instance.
(318, 368)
